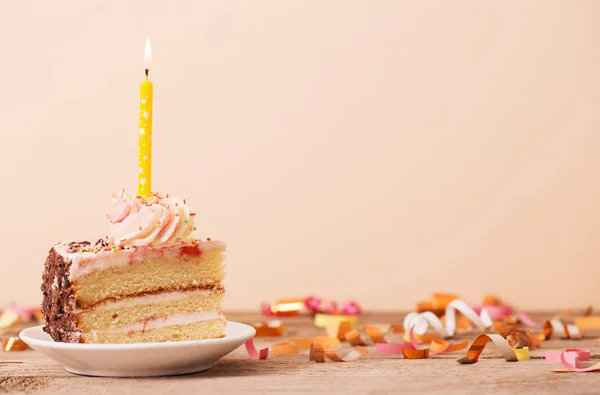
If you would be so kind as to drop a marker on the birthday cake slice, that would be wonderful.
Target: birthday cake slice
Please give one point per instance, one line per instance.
(149, 280)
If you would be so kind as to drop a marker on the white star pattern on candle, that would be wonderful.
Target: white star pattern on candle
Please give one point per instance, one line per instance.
(140, 170)
(143, 181)
(143, 101)
(146, 114)
(142, 131)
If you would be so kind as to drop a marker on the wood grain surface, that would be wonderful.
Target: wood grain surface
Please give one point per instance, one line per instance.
(373, 374)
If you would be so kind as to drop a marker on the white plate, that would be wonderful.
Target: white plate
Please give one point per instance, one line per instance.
(139, 359)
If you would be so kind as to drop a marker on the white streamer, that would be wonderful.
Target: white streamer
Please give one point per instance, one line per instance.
(422, 321)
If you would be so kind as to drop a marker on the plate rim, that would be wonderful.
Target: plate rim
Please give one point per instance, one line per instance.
(33, 341)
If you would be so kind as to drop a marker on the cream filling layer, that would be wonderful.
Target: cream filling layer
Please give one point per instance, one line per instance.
(184, 319)
(148, 299)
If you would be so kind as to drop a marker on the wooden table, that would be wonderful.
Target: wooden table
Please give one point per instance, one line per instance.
(373, 374)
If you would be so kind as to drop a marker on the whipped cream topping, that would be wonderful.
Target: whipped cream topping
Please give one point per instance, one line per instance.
(141, 221)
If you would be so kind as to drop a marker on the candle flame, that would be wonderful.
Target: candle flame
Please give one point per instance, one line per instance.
(148, 53)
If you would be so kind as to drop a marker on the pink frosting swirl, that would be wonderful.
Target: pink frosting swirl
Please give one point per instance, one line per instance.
(141, 222)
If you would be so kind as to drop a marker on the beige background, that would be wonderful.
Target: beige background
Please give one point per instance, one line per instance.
(377, 150)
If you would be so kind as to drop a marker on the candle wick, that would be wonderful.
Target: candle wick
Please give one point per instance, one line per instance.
(147, 70)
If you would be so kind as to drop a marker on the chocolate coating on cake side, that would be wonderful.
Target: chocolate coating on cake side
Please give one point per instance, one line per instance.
(58, 306)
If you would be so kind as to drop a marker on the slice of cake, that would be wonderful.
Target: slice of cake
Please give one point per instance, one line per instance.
(147, 281)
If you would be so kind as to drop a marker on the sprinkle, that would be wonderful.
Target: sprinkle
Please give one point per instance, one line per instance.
(186, 221)
(208, 239)
(177, 214)
(194, 228)
(192, 214)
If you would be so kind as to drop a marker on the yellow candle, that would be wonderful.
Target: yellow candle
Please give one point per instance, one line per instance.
(145, 132)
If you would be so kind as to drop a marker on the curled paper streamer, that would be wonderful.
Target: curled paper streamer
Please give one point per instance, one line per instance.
(285, 348)
(251, 348)
(572, 355)
(356, 338)
(317, 353)
(269, 328)
(351, 356)
(525, 320)
(13, 343)
(570, 368)
(479, 344)
(519, 338)
(440, 346)
(339, 330)
(423, 320)
(415, 354)
(495, 312)
(367, 335)
(555, 328)
(304, 343)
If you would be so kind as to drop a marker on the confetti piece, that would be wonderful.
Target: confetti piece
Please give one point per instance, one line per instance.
(317, 305)
(304, 342)
(9, 319)
(283, 307)
(572, 355)
(317, 353)
(13, 343)
(251, 348)
(285, 348)
(588, 322)
(25, 313)
(415, 354)
(339, 330)
(571, 368)
(269, 328)
(325, 320)
(479, 344)
(522, 353)
(351, 356)
(392, 348)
